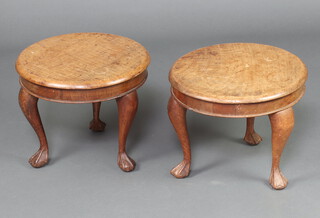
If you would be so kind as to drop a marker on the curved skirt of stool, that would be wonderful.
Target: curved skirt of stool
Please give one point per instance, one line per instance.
(238, 110)
(75, 96)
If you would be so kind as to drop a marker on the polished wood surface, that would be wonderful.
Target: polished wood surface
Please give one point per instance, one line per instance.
(82, 61)
(83, 68)
(239, 80)
(238, 73)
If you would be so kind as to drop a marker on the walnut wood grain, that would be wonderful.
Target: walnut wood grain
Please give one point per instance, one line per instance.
(28, 105)
(82, 61)
(238, 73)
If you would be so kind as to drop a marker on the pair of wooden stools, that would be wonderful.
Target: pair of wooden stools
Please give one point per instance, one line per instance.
(227, 80)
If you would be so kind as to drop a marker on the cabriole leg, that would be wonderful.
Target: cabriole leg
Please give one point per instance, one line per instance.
(251, 137)
(127, 108)
(96, 124)
(29, 107)
(282, 124)
(177, 115)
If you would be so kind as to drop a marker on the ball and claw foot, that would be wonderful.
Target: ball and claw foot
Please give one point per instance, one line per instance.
(125, 162)
(40, 158)
(182, 170)
(97, 125)
(277, 179)
(252, 138)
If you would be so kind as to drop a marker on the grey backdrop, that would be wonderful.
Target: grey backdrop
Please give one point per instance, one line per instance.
(228, 178)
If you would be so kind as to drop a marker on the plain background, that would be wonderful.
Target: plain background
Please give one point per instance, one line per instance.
(228, 177)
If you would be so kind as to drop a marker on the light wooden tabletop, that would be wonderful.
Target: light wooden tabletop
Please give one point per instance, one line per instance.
(82, 61)
(238, 73)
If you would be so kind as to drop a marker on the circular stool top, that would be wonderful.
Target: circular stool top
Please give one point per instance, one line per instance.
(238, 73)
(82, 61)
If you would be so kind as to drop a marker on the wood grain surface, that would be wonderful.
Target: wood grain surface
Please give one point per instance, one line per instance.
(238, 73)
(82, 61)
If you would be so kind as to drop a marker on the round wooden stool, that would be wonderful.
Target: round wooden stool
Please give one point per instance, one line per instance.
(238, 80)
(83, 68)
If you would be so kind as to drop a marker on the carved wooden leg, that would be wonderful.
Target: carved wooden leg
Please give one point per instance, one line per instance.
(282, 124)
(127, 108)
(28, 104)
(96, 124)
(177, 115)
(251, 137)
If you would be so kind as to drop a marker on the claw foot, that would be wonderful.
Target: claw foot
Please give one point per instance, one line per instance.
(40, 158)
(125, 162)
(181, 170)
(97, 125)
(277, 179)
(252, 138)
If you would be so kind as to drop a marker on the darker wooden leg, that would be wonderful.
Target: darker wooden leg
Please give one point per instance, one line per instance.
(177, 115)
(251, 137)
(96, 124)
(28, 104)
(282, 124)
(127, 108)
